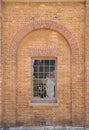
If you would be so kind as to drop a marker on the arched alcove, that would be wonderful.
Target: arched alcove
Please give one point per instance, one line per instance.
(21, 52)
(46, 44)
(48, 25)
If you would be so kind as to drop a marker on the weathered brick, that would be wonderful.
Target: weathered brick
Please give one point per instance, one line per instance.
(0, 66)
(87, 64)
(43, 30)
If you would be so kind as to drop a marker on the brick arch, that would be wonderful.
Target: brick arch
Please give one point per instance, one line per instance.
(48, 25)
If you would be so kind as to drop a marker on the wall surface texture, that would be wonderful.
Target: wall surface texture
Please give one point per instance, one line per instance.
(87, 64)
(44, 30)
(0, 66)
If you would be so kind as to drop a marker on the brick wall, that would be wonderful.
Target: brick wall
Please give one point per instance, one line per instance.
(17, 71)
(87, 63)
(0, 69)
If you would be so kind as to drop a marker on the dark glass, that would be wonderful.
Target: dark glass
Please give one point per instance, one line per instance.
(42, 91)
(35, 75)
(36, 87)
(40, 75)
(40, 68)
(36, 62)
(52, 62)
(41, 62)
(44, 75)
(46, 69)
(35, 69)
(46, 62)
(52, 69)
(47, 75)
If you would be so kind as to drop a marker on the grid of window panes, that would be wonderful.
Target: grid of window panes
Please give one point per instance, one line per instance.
(43, 72)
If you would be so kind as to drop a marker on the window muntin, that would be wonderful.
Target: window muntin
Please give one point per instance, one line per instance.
(43, 76)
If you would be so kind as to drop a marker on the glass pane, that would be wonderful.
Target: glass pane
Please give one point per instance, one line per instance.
(43, 72)
(40, 68)
(52, 72)
(35, 82)
(35, 75)
(52, 69)
(43, 62)
(42, 91)
(42, 81)
(46, 62)
(44, 75)
(52, 75)
(50, 88)
(36, 62)
(47, 75)
(40, 62)
(52, 62)
(35, 90)
(35, 69)
(46, 69)
(41, 75)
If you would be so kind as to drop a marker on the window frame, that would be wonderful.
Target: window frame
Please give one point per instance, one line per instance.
(44, 100)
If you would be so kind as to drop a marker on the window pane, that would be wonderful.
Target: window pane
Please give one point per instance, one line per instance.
(52, 75)
(42, 91)
(35, 75)
(43, 62)
(47, 75)
(35, 62)
(46, 69)
(52, 62)
(52, 69)
(43, 73)
(40, 68)
(50, 88)
(35, 69)
(35, 90)
(35, 82)
(46, 62)
(40, 62)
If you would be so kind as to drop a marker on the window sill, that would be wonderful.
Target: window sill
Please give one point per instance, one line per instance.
(43, 103)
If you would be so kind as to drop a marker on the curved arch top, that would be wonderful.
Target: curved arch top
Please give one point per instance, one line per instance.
(44, 24)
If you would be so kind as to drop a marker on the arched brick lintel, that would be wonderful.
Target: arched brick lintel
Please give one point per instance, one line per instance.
(44, 24)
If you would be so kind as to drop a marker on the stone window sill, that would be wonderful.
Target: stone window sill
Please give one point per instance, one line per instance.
(43, 103)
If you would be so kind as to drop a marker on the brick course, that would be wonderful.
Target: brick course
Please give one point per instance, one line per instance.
(36, 30)
(48, 25)
(0, 67)
(87, 64)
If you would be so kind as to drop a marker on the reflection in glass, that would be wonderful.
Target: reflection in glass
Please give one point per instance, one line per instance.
(50, 88)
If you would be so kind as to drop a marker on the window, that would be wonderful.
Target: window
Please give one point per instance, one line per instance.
(43, 78)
